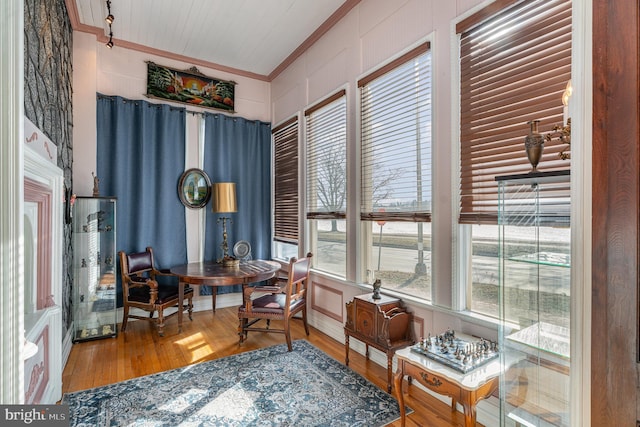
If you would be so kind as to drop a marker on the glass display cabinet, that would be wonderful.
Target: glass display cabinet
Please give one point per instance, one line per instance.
(94, 267)
(535, 273)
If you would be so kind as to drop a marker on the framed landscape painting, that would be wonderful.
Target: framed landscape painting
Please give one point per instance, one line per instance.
(189, 87)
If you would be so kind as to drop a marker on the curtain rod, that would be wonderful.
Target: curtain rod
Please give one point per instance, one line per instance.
(186, 110)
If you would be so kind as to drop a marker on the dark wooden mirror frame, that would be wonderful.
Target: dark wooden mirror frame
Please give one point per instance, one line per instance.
(191, 180)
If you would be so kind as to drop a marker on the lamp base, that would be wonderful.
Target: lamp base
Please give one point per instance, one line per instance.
(230, 262)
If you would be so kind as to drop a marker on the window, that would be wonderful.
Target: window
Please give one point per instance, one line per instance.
(285, 209)
(396, 173)
(326, 134)
(515, 61)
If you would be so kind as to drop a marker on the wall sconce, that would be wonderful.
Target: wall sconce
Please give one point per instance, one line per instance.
(109, 20)
(224, 201)
(563, 132)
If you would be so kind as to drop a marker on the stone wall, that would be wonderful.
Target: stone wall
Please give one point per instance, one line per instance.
(48, 40)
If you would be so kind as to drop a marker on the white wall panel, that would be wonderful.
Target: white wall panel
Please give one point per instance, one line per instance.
(288, 104)
(373, 12)
(328, 301)
(343, 36)
(291, 92)
(328, 78)
(463, 6)
(84, 112)
(444, 156)
(405, 27)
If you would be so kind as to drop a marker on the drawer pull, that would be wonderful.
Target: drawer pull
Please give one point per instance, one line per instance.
(365, 323)
(435, 382)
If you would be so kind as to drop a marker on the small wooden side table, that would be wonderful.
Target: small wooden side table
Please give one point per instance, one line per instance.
(468, 389)
(383, 323)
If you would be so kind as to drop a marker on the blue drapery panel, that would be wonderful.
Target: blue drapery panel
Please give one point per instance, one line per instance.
(239, 150)
(140, 157)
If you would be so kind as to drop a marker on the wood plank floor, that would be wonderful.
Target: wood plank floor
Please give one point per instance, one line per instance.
(140, 351)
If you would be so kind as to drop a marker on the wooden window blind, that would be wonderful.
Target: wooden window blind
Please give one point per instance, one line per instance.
(396, 139)
(285, 159)
(326, 134)
(514, 66)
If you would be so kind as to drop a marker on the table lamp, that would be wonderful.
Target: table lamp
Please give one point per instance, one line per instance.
(224, 201)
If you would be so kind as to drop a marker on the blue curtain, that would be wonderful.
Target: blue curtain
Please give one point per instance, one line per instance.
(140, 157)
(239, 150)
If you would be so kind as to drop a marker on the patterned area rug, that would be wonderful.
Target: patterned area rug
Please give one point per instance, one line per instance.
(266, 387)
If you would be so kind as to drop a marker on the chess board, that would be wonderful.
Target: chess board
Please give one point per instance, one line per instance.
(462, 355)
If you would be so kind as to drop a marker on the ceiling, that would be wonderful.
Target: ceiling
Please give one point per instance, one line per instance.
(252, 37)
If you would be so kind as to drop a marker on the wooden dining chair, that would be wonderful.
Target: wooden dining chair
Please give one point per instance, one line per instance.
(281, 301)
(142, 289)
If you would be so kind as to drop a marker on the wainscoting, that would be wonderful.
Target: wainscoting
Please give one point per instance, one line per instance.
(43, 243)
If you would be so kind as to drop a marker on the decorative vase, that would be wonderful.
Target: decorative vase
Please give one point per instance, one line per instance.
(534, 144)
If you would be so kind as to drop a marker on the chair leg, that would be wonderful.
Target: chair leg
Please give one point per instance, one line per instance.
(125, 318)
(287, 333)
(191, 308)
(304, 320)
(241, 331)
(160, 322)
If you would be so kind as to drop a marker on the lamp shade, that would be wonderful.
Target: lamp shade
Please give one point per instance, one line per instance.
(224, 197)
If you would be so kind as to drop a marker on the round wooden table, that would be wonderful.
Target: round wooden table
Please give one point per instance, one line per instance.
(215, 274)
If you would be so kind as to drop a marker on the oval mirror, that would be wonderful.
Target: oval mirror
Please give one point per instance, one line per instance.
(194, 188)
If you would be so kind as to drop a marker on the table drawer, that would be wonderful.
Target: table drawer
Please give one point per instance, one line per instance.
(433, 382)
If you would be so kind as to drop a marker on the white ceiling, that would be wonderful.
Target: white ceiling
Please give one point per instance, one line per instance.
(250, 35)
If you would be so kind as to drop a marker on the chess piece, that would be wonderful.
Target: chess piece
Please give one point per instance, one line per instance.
(96, 183)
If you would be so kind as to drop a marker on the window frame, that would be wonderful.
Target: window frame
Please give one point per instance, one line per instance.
(285, 139)
(321, 112)
(367, 213)
(495, 107)
(463, 234)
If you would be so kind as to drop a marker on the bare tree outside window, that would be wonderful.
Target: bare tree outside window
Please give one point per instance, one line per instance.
(332, 177)
(331, 181)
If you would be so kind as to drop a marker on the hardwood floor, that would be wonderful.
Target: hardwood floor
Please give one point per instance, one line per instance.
(140, 351)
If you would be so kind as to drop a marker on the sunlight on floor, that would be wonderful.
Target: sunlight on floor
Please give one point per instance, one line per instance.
(197, 346)
(182, 402)
(235, 403)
